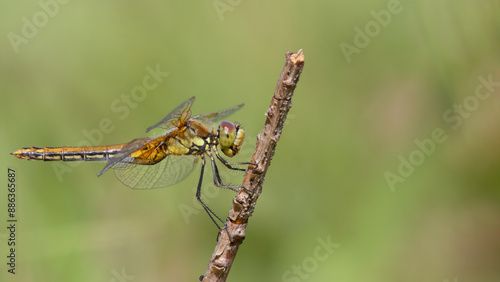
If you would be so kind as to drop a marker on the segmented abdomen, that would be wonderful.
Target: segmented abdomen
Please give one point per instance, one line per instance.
(90, 153)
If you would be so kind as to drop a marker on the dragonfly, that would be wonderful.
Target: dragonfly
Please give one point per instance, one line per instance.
(155, 162)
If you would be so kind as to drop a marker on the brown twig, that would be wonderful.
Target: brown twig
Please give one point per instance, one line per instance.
(244, 203)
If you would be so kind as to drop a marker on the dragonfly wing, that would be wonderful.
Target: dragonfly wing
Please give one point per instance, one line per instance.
(125, 152)
(169, 171)
(166, 123)
(211, 118)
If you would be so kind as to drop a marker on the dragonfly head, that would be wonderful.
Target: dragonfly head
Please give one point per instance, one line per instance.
(231, 137)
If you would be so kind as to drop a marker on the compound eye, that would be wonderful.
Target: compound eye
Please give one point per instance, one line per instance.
(227, 133)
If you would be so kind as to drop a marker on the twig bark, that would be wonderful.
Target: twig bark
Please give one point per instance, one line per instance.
(244, 203)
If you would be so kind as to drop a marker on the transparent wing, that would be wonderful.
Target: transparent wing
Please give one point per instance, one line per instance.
(169, 171)
(176, 114)
(212, 118)
(125, 152)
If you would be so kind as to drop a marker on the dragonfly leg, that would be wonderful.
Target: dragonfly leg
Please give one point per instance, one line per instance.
(210, 213)
(217, 178)
(230, 165)
(218, 181)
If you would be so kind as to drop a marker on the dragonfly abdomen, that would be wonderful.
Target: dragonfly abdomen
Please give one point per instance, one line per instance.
(90, 153)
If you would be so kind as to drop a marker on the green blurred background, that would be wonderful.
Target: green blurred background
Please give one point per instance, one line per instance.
(354, 118)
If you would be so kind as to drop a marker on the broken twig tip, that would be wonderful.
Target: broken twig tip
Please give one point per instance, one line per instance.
(297, 57)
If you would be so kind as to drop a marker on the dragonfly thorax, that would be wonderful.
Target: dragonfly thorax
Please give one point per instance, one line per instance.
(231, 137)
